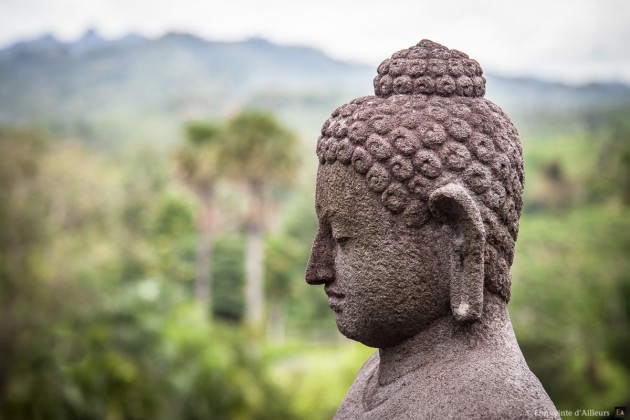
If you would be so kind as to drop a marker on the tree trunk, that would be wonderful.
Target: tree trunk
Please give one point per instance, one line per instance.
(254, 287)
(7, 346)
(203, 278)
(254, 294)
(276, 330)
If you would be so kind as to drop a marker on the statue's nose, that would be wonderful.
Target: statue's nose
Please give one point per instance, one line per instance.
(321, 263)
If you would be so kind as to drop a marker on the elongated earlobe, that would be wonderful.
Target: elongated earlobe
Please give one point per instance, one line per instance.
(453, 204)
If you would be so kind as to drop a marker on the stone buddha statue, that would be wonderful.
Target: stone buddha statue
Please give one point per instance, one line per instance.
(419, 192)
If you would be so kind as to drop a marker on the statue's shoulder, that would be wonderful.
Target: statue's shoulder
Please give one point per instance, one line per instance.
(352, 405)
(488, 387)
(369, 367)
(367, 371)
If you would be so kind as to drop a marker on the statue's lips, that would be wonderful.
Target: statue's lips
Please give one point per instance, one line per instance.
(335, 298)
(335, 303)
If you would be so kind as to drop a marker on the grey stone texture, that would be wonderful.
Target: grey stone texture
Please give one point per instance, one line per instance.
(419, 192)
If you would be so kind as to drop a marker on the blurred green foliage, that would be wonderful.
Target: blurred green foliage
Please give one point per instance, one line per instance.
(570, 306)
(98, 320)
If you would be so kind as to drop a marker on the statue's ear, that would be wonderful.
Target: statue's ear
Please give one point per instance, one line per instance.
(453, 204)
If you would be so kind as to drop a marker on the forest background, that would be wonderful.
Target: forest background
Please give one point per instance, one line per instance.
(124, 163)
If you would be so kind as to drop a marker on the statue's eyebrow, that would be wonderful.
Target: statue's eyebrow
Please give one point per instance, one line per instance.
(342, 225)
(324, 214)
(329, 214)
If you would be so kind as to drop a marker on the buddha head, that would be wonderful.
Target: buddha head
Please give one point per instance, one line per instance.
(419, 192)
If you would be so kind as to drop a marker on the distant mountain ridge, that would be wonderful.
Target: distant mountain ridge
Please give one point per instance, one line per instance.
(141, 89)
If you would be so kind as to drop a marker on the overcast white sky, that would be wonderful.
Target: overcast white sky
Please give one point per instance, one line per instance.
(568, 40)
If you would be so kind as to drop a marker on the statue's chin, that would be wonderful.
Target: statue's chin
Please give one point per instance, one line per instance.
(351, 330)
(367, 336)
(346, 330)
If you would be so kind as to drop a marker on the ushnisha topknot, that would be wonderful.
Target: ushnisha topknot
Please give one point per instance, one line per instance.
(429, 68)
(407, 145)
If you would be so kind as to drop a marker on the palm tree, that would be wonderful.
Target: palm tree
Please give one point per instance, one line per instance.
(261, 153)
(197, 164)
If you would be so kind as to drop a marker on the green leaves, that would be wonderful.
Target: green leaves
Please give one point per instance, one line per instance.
(252, 146)
(259, 148)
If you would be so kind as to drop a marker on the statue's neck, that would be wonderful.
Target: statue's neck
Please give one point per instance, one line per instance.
(446, 339)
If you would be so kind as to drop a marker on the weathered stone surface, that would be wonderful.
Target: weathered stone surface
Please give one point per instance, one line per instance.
(419, 192)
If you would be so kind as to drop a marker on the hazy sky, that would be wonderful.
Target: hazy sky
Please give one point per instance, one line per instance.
(568, 40)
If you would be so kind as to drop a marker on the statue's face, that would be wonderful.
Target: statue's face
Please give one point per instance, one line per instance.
(386, 282)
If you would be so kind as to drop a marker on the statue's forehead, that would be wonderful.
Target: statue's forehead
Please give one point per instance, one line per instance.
(343, 192)
(334, 189)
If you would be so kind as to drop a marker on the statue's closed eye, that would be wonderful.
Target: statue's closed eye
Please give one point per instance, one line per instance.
(342, 240)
